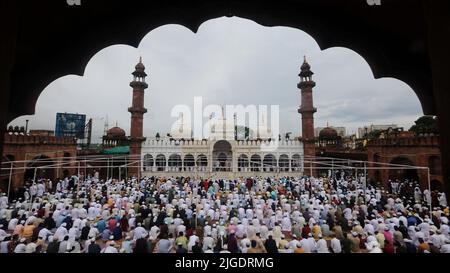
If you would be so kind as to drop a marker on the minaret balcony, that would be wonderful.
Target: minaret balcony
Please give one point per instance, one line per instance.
(139, 85)
(306, 84)
(304, 110)
(137, 110)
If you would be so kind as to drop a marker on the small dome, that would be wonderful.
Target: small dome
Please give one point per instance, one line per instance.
(328, 133)
(116, 132)
(140, 67)
(305, 66)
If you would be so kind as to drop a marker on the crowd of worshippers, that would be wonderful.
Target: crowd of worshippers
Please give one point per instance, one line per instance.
(243, 215)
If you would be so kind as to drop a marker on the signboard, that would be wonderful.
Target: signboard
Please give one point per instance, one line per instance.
(70, 125)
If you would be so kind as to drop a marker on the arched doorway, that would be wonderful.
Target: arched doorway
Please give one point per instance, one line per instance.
(436, 185)
(255, 163)
(243, 163)
(377, 175)
(7, 163)
(222, 156)
(42, 166)
(434, 163)
(189, 163)
(148, 162)
(160, 163)
(202, 162)
(403, 173)
(296, 163)
(269, 163)
(283, 163)
(175, 163)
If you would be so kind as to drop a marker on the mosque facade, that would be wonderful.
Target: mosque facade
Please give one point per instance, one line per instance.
(222, 154)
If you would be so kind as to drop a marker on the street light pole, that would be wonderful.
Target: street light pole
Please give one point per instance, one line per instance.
(429, 189)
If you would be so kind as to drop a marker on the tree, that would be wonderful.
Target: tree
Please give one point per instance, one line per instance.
(373, 134)
(425, 125)
(241, 132)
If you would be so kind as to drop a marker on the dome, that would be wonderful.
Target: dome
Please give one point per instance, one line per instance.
(221, 129)
(116, 132)
(140, 67)
(328, 133)
(305, 66)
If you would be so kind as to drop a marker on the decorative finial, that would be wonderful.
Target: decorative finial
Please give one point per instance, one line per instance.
(328, 124)
(117, 123)
(140, 59)
(304, 59)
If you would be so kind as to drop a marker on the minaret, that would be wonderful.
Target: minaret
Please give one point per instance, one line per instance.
(137, 111)
(307, 111)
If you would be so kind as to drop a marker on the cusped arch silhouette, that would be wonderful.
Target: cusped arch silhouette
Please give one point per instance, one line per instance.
(67, 47)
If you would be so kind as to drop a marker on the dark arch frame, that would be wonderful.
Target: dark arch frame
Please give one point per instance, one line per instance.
(401, 174)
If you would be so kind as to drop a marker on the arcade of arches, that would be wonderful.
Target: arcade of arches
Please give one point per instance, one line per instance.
(245, 163)
(421, 152)
(404, 39)
(42, 153)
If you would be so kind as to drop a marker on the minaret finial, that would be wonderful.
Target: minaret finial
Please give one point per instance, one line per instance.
(304, 59)
(140, 59)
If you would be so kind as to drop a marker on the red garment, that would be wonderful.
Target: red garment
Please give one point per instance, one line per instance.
(249, 184)
(305, 231)
(124, 224)
(189, 232)
(388, 237)
(389, 249)
(41, 213)
(112, 224)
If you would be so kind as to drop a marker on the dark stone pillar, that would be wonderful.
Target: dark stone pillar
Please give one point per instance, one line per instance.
(8, 34)
(438, 18)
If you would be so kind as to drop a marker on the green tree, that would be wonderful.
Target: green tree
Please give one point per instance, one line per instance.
(241, 132)
(425, 125)
(373, 135)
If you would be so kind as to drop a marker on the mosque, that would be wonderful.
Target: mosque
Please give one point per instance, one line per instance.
(221, 154)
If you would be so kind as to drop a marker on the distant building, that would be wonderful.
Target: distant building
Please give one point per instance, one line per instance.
(341, 131)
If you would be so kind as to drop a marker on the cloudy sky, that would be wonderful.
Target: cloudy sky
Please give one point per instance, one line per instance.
(229, 61)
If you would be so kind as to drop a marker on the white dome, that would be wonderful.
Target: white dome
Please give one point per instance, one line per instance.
(264, 132)
(221, 129)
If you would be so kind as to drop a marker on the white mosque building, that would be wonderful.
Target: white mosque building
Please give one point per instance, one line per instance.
(221, 154)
